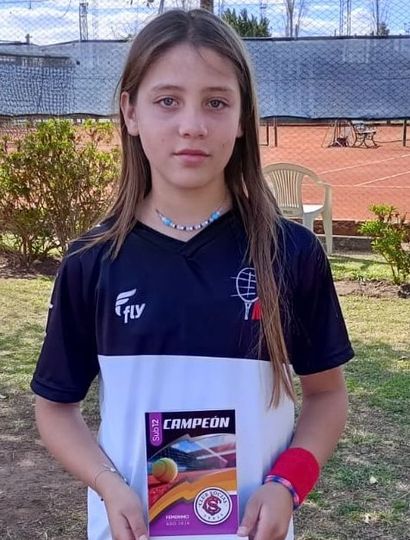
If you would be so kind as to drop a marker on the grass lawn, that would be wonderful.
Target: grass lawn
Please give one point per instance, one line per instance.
(361, 266)
(364, 490)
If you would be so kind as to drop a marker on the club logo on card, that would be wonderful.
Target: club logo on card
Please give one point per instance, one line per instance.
(213, 506)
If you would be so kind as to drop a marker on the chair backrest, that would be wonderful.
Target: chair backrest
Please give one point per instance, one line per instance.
(286, 180)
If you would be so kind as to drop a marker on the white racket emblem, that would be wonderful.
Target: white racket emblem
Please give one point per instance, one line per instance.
(246, 288)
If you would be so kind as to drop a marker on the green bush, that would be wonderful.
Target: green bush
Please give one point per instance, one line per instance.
(391, 239)
(55, 184)
(247, 25)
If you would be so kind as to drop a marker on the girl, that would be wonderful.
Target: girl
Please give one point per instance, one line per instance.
(193, 294)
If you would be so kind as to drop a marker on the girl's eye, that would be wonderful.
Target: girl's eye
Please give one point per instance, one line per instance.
(167, 102)
(217, 104)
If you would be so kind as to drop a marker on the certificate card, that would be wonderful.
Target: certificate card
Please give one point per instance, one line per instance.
(191, 475)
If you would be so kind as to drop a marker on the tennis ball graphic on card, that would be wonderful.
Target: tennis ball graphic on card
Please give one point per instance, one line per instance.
(165, 470)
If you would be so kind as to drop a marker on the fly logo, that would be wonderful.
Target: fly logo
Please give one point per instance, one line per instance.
(124, 309)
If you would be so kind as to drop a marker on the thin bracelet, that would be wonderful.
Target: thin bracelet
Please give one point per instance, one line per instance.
(285, 483)
(107, 468)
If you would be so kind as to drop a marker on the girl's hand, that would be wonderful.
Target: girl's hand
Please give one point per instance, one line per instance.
(268, 513)
(124, 509)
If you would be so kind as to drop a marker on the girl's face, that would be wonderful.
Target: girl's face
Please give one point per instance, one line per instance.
(187, 114)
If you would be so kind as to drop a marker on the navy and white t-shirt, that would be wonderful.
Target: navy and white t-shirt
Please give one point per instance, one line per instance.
(172, 325)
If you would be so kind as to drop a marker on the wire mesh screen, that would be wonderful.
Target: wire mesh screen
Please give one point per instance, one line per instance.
(325, 78)
(34, 84)
(333, 79)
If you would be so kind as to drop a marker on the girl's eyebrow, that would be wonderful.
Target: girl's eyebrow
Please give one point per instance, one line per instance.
(223, 89)
(176, 88)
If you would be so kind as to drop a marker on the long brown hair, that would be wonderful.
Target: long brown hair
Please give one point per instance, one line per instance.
(243, 173)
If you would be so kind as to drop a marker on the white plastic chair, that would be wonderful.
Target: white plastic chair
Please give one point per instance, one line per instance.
(286, 180)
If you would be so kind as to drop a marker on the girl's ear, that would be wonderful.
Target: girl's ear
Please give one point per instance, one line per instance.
(129, 113)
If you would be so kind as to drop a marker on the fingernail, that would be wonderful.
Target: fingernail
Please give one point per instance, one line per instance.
(143, 537)
(242, 531)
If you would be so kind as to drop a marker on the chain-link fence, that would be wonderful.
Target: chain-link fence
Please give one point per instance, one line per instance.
(333, 79)
(43, 22)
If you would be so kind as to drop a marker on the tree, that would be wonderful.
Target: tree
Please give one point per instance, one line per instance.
(379, 14)
(295, 10)
(383, 30)
(207, 4)
(245, 25)
(130, 30)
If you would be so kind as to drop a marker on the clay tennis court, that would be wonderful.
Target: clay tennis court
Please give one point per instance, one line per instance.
(360, 176)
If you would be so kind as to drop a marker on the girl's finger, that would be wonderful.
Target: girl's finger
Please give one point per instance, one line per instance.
(250, 518)
(267, 530)
(137, 524)
(121, 529)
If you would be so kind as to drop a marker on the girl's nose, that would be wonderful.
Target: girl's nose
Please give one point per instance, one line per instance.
(192, 124)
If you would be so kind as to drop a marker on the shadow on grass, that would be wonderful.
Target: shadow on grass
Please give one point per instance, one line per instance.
(347, 267)
(13, 266)
(364, 262)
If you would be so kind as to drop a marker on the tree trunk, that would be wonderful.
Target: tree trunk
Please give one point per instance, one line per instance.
(377, 10)
(208, 5)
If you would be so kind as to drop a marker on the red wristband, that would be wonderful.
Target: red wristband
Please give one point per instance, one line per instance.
(299, 467)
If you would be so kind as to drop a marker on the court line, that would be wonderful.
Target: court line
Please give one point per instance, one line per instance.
(364, 164)
(375, 187)
(383, 178)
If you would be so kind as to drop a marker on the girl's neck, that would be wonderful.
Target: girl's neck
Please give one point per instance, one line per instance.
(183, 207)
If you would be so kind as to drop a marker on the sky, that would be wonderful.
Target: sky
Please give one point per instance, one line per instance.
(55, 21)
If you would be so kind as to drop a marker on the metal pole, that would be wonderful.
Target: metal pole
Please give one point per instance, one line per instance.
(275, 130)
(377, 18)
(405, 132)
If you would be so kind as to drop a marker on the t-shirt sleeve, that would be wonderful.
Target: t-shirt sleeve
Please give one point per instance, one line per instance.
(68, 358)
(319, 335)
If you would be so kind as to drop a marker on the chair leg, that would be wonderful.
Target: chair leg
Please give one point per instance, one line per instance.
(308, 220)
(328, 228)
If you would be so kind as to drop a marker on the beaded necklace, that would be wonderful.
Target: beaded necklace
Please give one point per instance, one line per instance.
(216, 214)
